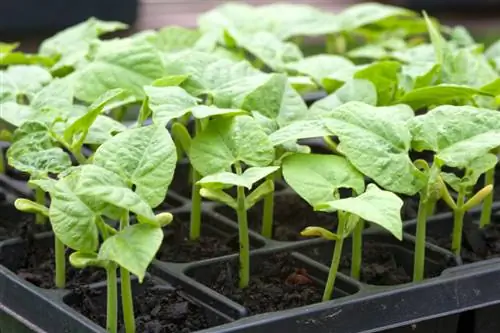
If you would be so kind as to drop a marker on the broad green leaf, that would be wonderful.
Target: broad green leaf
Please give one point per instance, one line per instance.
(419, 75)
(169, 103)
(207, 72)
(270, 95)
(319, 66)
(8, 47)
(375, 205)
(423, 53)
(73, 43)
(316, 178)
(353, 90)
(226, 141)
(493, 54)
(127, 64)
(57, 95)
(368, 13)
(21, 58)
(103, 129)
(375, 141)
(174, 38)
(133, 248)
(35, 152)
(439, 95)
(145, 157)
(247, 179)
(369, 51)
(24, 80)
(458, 134)
(82, 259)
(170, 80)
(82, 195)
(272, 51)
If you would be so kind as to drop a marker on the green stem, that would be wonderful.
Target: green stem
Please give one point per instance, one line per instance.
(337, 253)
(60, 256)
(458, 223)
(419, 261)
(243, 234)
(357, 250)
(79, 156)
(330, 43)
(195, 223)
(40, 199)
(488, 201)
(267, 215)
(120, 113)
(2, 161)
(431, 207)
(112, 308)
(126, 288)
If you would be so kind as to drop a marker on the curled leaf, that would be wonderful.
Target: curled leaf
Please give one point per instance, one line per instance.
(319, 232)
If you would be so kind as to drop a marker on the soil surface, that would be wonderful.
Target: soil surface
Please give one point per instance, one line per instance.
(291, 215)
(14, 223)
(178, 248)
(380, 265)
(279, 283)
(156, 310)
(38, 266)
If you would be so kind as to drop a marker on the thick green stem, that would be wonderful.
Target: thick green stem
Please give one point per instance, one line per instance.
(419, 261)
(79, 156)
(357, 250)
(40, 199)
(195, 223)
(489, 179)
(267, 214)
(241, 212)
(60, 278)
(337, 253)
(126, 288)
(431, 207)
(112, 308)
(458, 223)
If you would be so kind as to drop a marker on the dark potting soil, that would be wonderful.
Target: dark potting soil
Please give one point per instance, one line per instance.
(380, 264)
(177, 247)
(279, 283)
(14, 223)
(157, 310)
(37, 266)
(291, 215)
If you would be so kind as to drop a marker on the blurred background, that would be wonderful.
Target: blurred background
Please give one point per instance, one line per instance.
(31, 21)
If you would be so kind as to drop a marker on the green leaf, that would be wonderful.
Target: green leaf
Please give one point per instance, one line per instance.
(73, 43)
(57, 95)
(226, 141)
(103, 129)
(316, 178)
(82, 195)
(169, 103)
(459, 135)
(472, 173)
(28, 206)
(419, 75)
(493, 54)
(145, 157)
(369, 13)
(319, 232)
(133, 248)
(23, 80)
(384, 75)
(353, 90)
(319, 66)
(207, 72)
(174, 38)
(247, 179)
(82, 259)
(35, 152)
(439, 95)
(220, 196)
(127, 64)
(375, 205)
(76, 133)
(375, 141)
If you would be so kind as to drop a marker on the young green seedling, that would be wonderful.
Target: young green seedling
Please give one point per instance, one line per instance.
(36, 150)
(375, 140)
(169, 103)
(461, 137)
(374, 205)
(232, 143)
(317, 179)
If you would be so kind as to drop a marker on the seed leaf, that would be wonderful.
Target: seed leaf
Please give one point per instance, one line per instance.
(374, 205)
(316, 177)
(133, 248)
